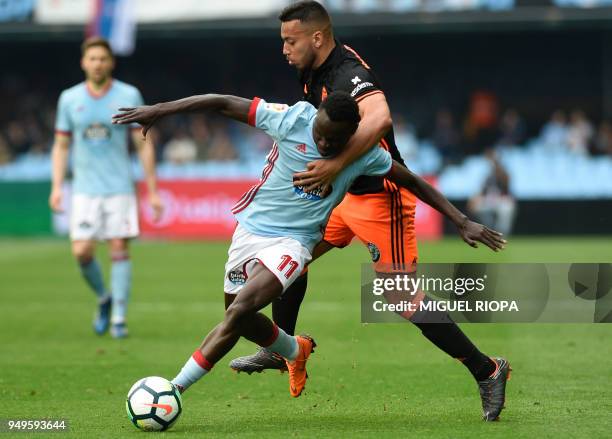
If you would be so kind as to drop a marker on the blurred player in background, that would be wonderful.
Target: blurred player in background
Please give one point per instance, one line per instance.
(376, 210)
(104, 205)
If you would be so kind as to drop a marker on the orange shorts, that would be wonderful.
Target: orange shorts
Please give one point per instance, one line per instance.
(384, 222)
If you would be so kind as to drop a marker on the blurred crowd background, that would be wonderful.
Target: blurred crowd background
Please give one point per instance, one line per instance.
(513, 93)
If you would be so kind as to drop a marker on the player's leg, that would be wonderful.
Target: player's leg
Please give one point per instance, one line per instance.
(286, 308)
(241, 315)
(84, 253)
(120, 224)
(388, 231)
(121, 285)
(84, 228)
(261, 285)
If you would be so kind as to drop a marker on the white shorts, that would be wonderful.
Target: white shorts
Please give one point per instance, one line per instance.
(103, 217)
(284, 257)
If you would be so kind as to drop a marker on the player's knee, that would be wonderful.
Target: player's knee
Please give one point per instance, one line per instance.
(236, 314)
(83, 254)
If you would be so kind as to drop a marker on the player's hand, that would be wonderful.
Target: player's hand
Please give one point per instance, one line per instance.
(472, 232)
(319, 174)
(145, 115)
(55, 200)
(157, 205)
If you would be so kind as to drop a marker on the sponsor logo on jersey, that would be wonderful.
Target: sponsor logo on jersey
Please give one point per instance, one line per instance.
(356, 80)
(237, 276)
(374, 252)
(97, 131)
(361, 87)
(301, 148)
(314, 195)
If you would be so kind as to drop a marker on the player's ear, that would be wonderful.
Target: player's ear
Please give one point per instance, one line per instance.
(317, 39)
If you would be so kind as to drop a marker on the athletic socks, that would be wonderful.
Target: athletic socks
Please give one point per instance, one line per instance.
(480, 366)
(283, 344)
(121, 282)
(195, 368)
(440, 329)
(285, 309)
(92, 273)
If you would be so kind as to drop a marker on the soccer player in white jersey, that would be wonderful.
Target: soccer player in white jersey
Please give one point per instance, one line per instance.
(104, 205)
(279, 225)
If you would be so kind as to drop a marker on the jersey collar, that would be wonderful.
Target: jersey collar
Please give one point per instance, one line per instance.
(100, 94)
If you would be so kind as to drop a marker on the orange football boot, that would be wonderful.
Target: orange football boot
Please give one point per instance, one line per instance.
(297, 368)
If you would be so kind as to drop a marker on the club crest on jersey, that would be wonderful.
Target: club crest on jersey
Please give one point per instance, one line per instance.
(237, 277)
(356, 80)
(97, 131)
(301, 148)
(374, 252)
(314, 195)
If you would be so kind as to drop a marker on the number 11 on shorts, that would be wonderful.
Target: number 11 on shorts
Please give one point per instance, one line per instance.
(287, 261)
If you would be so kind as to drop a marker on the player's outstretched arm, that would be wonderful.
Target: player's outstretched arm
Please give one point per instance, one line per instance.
(469, 230)
(231, 106)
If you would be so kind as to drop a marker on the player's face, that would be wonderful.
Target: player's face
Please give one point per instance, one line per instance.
(330, 136)
(97, 63)
(298, 44)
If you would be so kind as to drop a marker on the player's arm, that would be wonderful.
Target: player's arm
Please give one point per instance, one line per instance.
(146, 152)
(375, 123)
(470, 231)
(59, 163)
(233, 107)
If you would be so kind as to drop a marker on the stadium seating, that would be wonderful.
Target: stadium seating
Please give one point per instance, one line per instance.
(536, 171)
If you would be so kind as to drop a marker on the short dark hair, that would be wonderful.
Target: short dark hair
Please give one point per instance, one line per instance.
(306, 12)
(96, 42)
(342, 107)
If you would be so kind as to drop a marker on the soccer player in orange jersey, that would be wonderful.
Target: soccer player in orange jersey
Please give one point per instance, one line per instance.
(376, 211)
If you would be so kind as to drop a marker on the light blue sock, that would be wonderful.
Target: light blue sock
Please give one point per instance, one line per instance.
(121, 283)
(284, 344)
(92, 273)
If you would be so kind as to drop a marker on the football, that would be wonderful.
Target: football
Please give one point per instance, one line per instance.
(153, 404)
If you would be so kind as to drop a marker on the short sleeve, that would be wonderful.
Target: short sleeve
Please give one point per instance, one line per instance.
(275, 119)
(62, 117)
(358, 81)
(376, 162)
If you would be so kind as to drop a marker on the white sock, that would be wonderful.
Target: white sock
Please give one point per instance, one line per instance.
(284, 344)
(194, 369)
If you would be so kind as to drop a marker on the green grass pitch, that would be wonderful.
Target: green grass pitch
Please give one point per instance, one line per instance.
(377, 380)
